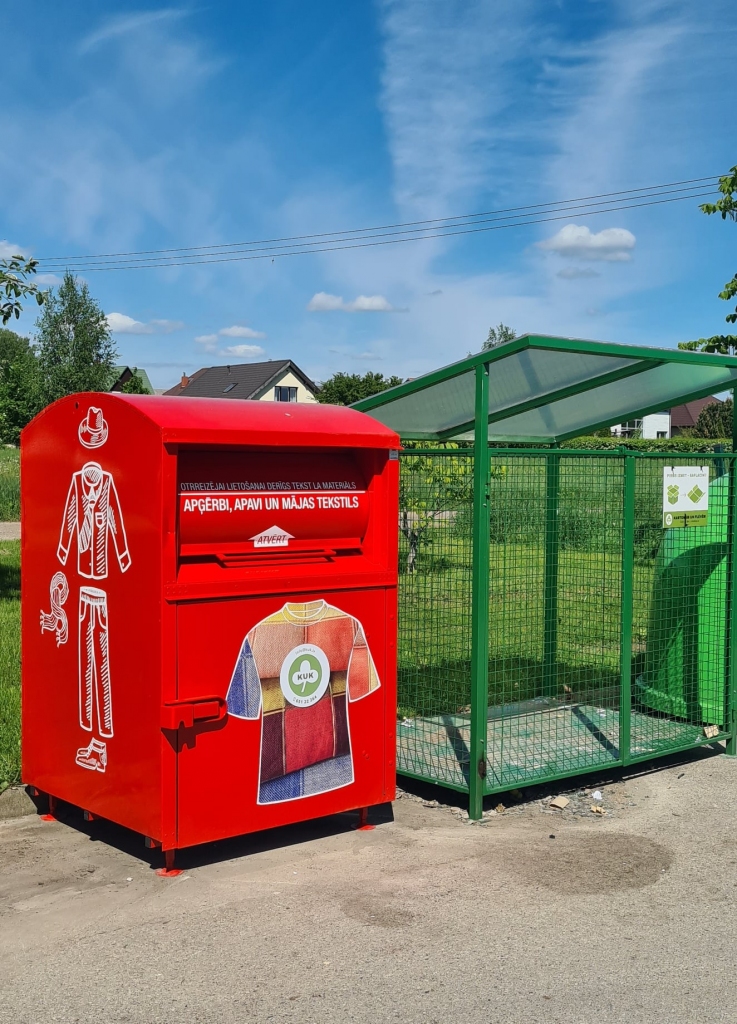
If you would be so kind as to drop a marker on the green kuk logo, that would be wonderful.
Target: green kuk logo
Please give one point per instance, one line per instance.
(304, 676)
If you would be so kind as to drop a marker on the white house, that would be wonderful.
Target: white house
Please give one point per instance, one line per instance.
(278, 380)
(668, 423)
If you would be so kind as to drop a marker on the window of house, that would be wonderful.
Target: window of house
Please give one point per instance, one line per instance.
(631, 428)
(229, 388)
(662, 433)
(285, 394)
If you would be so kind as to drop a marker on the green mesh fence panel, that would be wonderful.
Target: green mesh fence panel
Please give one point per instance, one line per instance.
(434, 646)
(581, 676)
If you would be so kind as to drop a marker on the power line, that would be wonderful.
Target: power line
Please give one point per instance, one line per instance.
(607, 206)
(383, 227)
(356, 245)
(273, 254)
(441, 227)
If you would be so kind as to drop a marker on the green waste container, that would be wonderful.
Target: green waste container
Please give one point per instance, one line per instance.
(684, 673)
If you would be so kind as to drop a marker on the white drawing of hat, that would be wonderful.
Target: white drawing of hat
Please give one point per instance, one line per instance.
(93, 429)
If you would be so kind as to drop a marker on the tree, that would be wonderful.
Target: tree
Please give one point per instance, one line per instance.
(727, 207)
(15, 285)
(19, 392)
(715, 420)
(347, 388)
(724, 344)
(435, 493)
(12, 346)
(75, 349)
(498, 335)
(431, 490)
(134, 385)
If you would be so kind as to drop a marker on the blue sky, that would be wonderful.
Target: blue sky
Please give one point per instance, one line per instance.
(129, 127)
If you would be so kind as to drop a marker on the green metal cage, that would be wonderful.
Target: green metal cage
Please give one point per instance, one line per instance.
(548, 624)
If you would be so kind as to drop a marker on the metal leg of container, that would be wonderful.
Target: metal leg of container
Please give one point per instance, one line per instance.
(363, 825)
(51, 813)
(168, 870)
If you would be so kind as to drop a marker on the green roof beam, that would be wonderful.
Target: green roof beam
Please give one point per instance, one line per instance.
(604, 348)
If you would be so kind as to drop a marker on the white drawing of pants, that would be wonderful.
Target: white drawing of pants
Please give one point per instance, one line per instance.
(94, 662)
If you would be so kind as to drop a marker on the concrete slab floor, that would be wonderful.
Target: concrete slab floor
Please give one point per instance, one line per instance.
(625, 916)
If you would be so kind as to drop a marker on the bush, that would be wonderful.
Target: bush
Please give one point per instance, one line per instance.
(683, 445)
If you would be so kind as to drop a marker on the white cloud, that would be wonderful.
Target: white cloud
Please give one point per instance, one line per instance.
(617, 102)
(573, 273)
(447, 89)
(122, 324)
(47, 279)
(9, 249)
(240, 332)
(86, 175)
(370, 304)
(576, 241)
(209, 342)
(125, 25)
(243, 351)
(322, 302)
(119, 323)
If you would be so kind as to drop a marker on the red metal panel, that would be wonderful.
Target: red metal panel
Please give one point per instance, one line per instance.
(207, 421)
(91, 520)
(221, 762)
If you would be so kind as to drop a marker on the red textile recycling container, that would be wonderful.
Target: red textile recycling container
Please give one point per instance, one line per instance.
(209, 612)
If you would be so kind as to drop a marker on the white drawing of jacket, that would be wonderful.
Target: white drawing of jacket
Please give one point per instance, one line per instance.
(92, 514)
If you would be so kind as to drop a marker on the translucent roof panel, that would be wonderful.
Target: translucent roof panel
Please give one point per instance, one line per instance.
(521, 377)
(452, 402)
(664, 386)
(548, 389)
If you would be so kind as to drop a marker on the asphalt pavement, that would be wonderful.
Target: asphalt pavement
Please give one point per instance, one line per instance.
(537, 915)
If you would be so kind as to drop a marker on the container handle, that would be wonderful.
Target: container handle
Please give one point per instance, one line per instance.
(185, 713)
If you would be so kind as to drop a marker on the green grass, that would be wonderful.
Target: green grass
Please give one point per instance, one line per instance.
(435, 624)
(9, 662)
(434, 646)
(9, 485)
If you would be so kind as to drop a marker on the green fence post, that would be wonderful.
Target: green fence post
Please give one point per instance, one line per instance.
(550, 585)
(480, 599)
(730, 676)
(625, 642)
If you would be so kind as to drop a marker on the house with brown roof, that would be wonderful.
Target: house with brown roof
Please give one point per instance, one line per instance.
(684, 417)
(277, 380)
(668, 423)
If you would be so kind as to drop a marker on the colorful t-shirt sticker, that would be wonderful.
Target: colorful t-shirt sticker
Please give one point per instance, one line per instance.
(299, 669)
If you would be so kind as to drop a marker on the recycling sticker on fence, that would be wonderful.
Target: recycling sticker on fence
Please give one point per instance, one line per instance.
(685, 496)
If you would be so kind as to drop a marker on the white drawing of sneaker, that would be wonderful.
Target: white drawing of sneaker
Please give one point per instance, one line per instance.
(93, 756)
